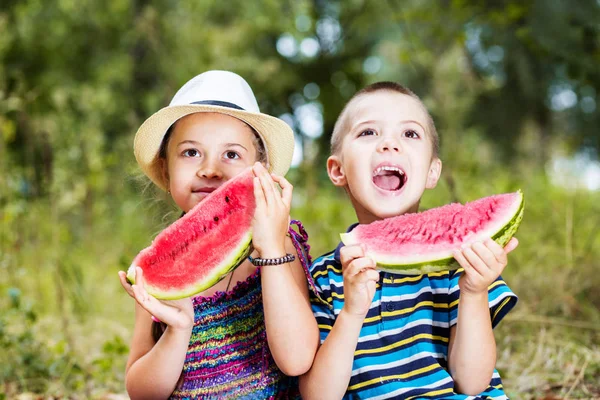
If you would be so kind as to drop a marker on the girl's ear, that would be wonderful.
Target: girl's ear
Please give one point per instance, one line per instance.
(435, 169)
(336, 171)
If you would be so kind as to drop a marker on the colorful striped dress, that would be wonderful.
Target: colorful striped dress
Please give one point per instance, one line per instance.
(228, 356)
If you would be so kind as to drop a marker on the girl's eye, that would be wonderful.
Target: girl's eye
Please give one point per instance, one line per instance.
(367, 132)
(411, 134)
(191, 153)
(231, 155)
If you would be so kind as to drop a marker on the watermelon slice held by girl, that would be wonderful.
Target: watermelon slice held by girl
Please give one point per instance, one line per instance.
(214, 345)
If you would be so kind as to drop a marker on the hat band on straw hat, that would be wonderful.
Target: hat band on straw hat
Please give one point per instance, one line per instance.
(219, 103)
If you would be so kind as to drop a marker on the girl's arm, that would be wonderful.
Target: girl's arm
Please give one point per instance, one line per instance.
(292, 330)
(153, 369)
(472, 347)
(331, 371)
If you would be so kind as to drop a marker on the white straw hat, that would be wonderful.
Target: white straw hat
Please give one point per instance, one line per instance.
(220, 92)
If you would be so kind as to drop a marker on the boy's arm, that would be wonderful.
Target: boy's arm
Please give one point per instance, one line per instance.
(332, 368)
(292, 330)
(472, 347)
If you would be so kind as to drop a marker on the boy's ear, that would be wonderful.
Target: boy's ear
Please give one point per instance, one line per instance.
(435, 170)
(336, 171)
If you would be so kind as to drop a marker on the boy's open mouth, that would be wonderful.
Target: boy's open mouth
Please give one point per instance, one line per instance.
(389, 178)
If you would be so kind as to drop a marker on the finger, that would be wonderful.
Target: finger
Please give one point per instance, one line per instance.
(459, 256)
(497, 250)
(126, 285)
(257, 168)
(268, 188)
(475, 261)
(259, 195)
(286, 189)
(148, 302)
(365, 276)
(349, 253)
(140, 280)
(511, 245)
(488, 255)
(357, 265)
(369, 274)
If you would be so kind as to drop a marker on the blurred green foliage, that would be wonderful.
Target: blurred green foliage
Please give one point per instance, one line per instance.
(513, 87)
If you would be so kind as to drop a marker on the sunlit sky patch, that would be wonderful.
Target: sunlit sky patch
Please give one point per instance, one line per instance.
(581, 171)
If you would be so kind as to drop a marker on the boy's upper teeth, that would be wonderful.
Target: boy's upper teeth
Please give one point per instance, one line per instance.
(387, 168)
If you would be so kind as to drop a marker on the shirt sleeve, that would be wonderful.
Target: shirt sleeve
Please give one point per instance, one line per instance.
(500, 299)
(321, 300)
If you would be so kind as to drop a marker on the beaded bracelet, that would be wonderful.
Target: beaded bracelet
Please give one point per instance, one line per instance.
(259, 262)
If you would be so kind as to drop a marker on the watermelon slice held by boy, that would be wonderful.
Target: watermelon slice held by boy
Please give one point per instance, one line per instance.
(423, 242)
(200, 248)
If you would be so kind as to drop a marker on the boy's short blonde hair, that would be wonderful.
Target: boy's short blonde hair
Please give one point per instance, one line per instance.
(342, 127)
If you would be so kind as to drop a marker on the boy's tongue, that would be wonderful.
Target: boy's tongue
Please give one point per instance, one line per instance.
(387, 181)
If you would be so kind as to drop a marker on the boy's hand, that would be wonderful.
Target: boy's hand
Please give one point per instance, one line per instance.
(483, 263)
(178, 314)
(272, 216)
(360, 279)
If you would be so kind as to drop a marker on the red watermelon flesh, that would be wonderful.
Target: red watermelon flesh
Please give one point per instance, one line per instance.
(423, 242)
(200, 248)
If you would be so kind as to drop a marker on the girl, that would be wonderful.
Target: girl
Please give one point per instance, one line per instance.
(215, 344)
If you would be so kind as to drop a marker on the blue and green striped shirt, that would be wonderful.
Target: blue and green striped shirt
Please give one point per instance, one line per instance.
(402, 351)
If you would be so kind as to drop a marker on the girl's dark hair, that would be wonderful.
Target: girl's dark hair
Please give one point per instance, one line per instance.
(158, 328)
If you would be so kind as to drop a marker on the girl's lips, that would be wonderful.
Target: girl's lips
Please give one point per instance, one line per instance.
(204, 190)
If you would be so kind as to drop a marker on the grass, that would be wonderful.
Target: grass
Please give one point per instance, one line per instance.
(65, 323)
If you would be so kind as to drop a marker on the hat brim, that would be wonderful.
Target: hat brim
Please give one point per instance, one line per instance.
(276, 135)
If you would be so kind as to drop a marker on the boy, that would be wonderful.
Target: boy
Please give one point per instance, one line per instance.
(394, 336)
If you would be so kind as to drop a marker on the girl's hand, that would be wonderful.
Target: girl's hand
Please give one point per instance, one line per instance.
(177, 314)
(483, 263)
(272, 216)
(360, 279)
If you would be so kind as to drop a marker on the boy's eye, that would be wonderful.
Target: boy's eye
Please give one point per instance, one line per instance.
(231, 155)
(191, 153)
(411, 134)
(367, 132)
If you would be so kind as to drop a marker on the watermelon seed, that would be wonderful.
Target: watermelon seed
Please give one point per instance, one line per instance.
(227, 199)
(216, 219)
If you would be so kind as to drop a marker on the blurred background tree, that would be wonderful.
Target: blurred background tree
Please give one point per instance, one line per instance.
(513, 87)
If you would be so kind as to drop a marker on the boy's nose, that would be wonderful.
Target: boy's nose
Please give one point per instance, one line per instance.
(389, 144)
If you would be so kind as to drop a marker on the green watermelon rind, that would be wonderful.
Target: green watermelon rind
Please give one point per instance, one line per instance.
(502, 237)
(238, 255)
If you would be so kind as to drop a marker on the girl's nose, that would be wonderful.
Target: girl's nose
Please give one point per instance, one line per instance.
(388, 143)
(208, 170)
